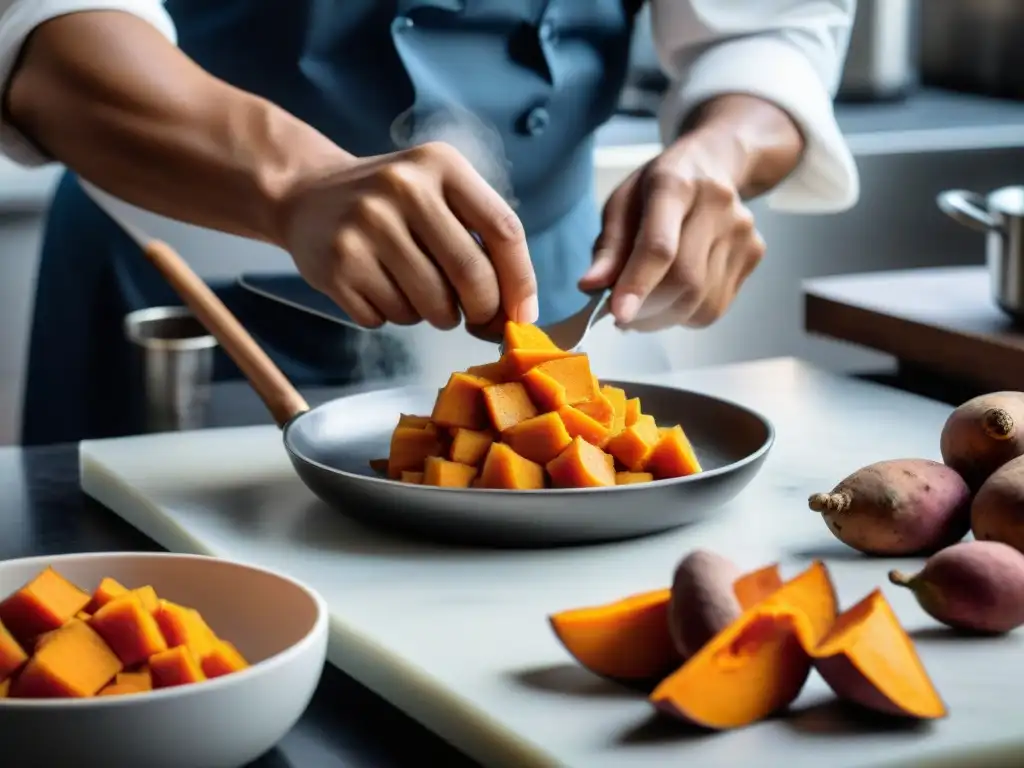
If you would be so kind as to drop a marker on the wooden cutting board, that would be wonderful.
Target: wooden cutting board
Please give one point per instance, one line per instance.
(458, 638)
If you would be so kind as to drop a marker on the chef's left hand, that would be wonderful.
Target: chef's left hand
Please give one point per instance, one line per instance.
(677, 240)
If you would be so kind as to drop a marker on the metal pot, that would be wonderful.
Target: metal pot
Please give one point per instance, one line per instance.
(1000, 215)
(973, 45)
(881, 62)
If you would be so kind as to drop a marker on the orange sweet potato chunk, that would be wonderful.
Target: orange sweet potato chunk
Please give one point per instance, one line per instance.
(141, 679)
(508, 404)
(565, 381)
(539, 439)
(175, 666)
(183, 626)
(223, 659)
(74, 662)
(47, 602)
(631, 412)
(119, 689)
(416, 478)
(601, 410)
(581, 465)
(12, 655)
(411, 420)
(526, 336)
(617, 398)
(624, 640)
(469, 446)
(632, 446)
(5, 688)
(491, 371)
(672, 455)
(516, 362)
(447, 474)
(632, 478)
(579, 424)
(148, 597)
(129, 629)
(107, 590)
(461, 402)
(504, 468)
(410, 447)
(380, 466)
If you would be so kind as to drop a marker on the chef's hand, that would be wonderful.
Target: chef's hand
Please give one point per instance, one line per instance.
(388, 239)
(677, 240)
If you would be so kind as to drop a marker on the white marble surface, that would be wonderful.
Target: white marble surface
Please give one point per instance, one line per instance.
(459, 638)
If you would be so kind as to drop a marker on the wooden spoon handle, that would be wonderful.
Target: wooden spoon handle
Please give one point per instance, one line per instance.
(282, 399)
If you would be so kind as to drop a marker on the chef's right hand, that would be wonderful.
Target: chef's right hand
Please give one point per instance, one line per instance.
(388, 239)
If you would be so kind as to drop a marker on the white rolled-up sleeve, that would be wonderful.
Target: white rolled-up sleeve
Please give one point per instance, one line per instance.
(18, 18)
(788, 52)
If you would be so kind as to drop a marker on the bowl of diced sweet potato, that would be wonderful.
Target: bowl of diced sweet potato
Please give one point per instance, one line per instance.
(152, 660)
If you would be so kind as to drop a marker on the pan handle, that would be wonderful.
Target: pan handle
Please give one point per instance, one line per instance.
(967, 208)
(282, 399)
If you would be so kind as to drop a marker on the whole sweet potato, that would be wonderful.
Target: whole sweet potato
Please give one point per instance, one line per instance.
(897, 507)
(997, 513)
(983, 434)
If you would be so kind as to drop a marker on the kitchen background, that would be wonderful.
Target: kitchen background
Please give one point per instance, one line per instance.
(912, 139)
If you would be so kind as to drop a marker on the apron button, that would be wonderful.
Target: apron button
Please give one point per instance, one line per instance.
(536, 121)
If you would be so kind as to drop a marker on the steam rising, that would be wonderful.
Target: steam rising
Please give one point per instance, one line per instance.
(421, 350)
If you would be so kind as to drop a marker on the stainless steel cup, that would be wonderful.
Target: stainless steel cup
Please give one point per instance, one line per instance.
(174, 367)
(1000, 215)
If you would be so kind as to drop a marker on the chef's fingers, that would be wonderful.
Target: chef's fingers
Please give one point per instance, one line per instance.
(381, 290)
(657, 246)
(719, 291)
(418, 277)
(619, 221)
(466, 265)
(481, 209)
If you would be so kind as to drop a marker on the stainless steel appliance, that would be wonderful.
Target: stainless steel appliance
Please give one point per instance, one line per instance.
(881, 63)
(973, 45)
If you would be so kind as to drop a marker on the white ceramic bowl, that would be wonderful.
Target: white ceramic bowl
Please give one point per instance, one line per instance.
(279, 625)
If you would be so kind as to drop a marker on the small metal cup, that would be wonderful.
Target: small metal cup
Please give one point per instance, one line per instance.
(174, 367)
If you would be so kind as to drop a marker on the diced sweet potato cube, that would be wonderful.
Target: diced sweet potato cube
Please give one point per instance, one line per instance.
(632, 478)
(617, 398)
(74, 662)
(556, 383)
(504, 468)
(416, 478)
(508, 404)
(129, 629)
(469, 446)
(410, 448)
(223, 659)
(526, 336)
(447, 474)
(119, 689)
(633, 445)
(108, 590)
(379, 465)
(5, 688)
(491, 371)
(461, 402)
(539, 439)
(411, 420)
(12, 655)
(579, 424)
(184, 626)
(516, 362)
(581, 465)
(141, 679)
(601, 410)
(673, 455)
(47, 602)
(175, 666)
(83, 616)
(632, 411)
(147, 595)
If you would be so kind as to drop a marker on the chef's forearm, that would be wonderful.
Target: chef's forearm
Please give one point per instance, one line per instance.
(110, 97)
(758, 140)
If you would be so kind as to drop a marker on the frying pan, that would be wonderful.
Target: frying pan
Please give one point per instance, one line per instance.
(330, 447)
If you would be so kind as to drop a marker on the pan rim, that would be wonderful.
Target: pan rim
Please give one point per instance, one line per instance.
(750, 458)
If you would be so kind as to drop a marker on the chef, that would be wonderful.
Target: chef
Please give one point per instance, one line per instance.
(294, 123)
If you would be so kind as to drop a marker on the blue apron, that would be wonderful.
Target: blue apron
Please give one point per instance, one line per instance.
(544, 73)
